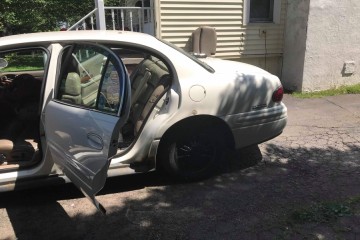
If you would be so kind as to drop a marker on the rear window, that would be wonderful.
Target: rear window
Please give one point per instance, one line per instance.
(195, 59)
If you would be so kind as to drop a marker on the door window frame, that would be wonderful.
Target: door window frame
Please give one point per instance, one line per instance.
(118, 65)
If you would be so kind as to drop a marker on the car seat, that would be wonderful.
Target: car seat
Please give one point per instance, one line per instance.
(204, 40)
(72, 89)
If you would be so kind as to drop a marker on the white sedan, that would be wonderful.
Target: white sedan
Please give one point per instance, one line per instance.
(80, 106)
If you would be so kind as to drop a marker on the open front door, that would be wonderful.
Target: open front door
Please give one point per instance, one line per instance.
(82, 123)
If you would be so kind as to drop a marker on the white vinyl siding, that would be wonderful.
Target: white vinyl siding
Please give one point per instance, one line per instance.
(179, 18)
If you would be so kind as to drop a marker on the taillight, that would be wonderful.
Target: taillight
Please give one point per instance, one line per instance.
(278, 94)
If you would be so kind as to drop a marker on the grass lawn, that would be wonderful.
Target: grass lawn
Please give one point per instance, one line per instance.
(24, 63)
(352, 89)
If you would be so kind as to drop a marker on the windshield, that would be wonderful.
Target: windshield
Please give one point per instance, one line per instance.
(201, 63)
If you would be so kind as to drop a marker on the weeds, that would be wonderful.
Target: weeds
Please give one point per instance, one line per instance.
(352, 89)
(321, 213)
(325, 212)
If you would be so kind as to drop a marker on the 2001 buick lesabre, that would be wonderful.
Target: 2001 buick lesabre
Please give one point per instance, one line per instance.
(85, 105)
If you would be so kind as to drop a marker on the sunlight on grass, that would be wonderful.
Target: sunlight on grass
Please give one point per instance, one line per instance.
(352, 89)
(24, 63)
(21, 68)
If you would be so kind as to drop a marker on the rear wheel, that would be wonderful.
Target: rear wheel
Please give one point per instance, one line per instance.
(193, 155)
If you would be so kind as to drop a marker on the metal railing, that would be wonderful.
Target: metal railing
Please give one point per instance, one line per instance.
(81, 24)
(118, 18)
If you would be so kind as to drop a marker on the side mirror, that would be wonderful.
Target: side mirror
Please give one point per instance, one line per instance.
(3, 63)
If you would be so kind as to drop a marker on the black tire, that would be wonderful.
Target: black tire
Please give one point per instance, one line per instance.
(193, 155)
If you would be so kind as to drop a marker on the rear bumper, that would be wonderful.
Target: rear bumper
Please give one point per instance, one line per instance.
(257, 126)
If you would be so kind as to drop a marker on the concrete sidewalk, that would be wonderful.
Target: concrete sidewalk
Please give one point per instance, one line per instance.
(332, 111)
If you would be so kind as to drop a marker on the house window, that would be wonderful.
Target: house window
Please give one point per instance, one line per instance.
(261, 11)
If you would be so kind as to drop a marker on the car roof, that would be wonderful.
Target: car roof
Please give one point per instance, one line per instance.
(87, 35)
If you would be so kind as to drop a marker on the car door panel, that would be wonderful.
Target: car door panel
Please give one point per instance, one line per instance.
(80, 161)
(82, 138)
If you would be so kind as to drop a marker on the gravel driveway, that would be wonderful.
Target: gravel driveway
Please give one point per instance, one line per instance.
(307, 186)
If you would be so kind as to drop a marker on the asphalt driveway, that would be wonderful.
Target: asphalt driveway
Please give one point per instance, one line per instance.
(307, 186)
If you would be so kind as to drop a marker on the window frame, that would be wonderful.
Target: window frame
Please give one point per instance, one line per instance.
(120, 69)
(276, 14)
(46, 58)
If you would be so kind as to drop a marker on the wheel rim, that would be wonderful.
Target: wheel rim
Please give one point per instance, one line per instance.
(195, 154)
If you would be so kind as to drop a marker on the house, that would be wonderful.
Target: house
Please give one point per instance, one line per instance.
(321, 44)
(247, 31)
(310, 45)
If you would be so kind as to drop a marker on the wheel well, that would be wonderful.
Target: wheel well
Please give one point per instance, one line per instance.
(202, 121)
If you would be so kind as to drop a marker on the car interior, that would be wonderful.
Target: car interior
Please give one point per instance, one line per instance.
(150, 80)
(19, 127)
(80, 84)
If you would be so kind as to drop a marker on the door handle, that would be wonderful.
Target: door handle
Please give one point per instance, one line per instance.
(95, 141)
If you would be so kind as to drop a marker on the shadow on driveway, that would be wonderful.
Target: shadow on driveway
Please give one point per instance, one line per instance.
(250, 203)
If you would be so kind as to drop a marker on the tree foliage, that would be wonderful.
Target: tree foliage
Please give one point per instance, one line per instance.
(19, 16)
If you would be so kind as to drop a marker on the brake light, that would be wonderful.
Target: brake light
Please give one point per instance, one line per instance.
(278, 94)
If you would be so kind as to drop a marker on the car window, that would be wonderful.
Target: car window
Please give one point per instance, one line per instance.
(150, 79)
(24, 60)
(192, 57)
(89, 78)
(130, 57)
(85, 54)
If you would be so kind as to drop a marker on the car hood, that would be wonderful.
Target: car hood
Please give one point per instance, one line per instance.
(226, 66)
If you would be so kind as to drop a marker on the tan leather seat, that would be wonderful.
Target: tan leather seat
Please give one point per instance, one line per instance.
(161, 88)
(204, 40)
(138, 79)
(144, 87)
(149, 81)
(6, 147)
(72, 88)
(20, 151)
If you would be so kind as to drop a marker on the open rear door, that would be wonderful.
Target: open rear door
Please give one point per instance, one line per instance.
(83, 121)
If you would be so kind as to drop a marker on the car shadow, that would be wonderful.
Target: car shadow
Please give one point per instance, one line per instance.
(36, 213)
(249, 156)
(240, 203)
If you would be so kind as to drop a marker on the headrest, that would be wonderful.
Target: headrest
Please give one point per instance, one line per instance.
(204, 40)
(72, 84)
